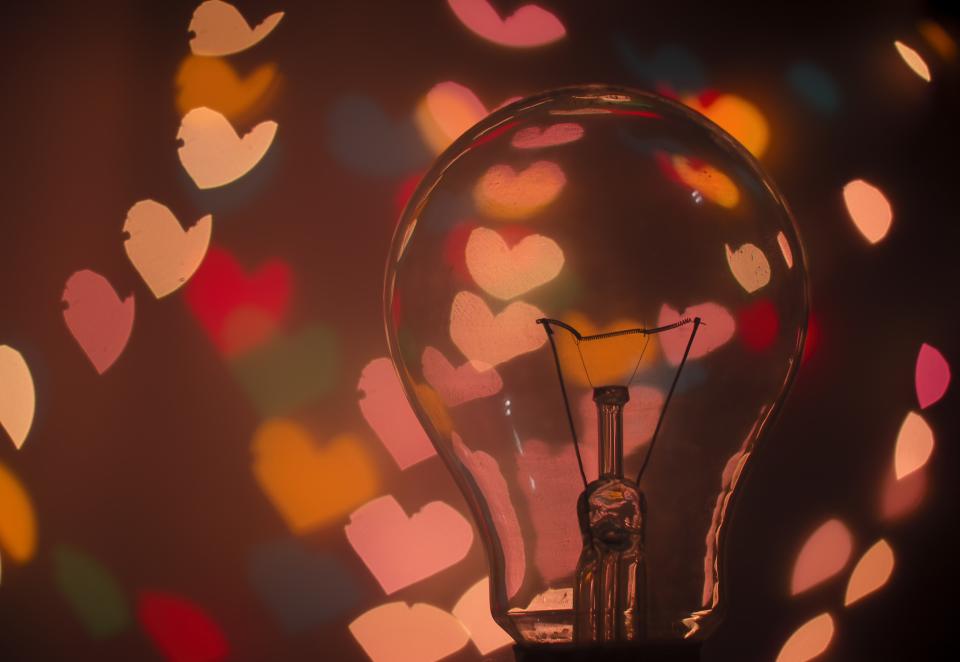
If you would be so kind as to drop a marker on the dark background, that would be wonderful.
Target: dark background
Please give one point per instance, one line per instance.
(147, 468)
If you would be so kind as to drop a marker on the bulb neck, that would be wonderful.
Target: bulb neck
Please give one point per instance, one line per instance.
(610, 402)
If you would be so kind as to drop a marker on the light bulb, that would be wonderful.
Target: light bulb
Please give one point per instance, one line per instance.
(590, 285)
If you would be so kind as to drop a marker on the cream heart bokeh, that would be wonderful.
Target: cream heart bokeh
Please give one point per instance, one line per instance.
(506, 194)
(398, 632)
(749, 266)
(507, 272)
(213, 154)
(494, 339)
(473, 611)
(220, 29)
(18, 397)
(163, 253)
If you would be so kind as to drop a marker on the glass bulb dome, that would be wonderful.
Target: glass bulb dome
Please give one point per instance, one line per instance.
(604, 209)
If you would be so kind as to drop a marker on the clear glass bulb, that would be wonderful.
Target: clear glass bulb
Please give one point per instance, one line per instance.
(603, 209)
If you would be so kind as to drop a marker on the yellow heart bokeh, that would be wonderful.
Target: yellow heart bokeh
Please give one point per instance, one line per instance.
(212, 83)
(738, 117)
(510, 195)
(713, 184)
(308, 484)
(606, 361)
(18, 524)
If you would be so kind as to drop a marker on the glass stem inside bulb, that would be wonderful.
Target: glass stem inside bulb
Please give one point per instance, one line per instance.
(610, 401)
(609, 599)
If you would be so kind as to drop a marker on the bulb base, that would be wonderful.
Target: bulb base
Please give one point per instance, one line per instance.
(647, 652)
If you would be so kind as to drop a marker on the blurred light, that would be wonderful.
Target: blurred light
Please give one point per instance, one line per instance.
(493, 339)
(362, 137)
(869, 209)
(18, 523)
(706, 180)
(785, 249)
(872, 571)
(239, 311)
(446, 112)
(246, 328)
(528, 26)
(609, 362)
(899, 498)
(809, 640)
(939, 39)
(717, 329)
(289, 372)
(759, 325)
(309, 485)
(302, 588)
(18, 397)
(213, 154)
(220, 29)
(493, 486)
(180, 630)
(455, 245)
(404, 191)
(507, 272)
(931, 376)
(737, 116)
(535, 137)
(92, 592)
(211, 82)
(401, 550)
(815, 86)
(506, 194)
(913, 60)
(749, 266)
(824, 554)
(96, 317)
(397, 632)
(914, 445)
(387, 410)
(456, 386)
(163, 253)
(473, 611)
